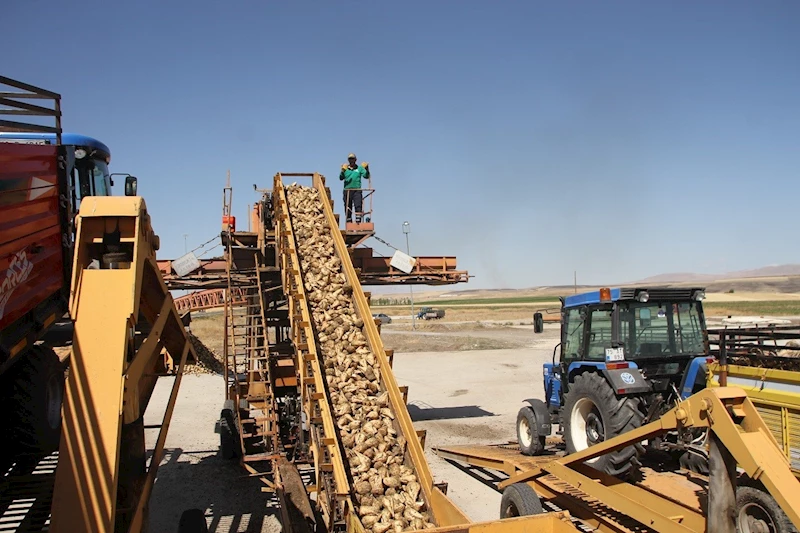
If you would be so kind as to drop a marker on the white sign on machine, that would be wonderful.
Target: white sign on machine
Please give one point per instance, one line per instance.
(403, 262)
(185, 264)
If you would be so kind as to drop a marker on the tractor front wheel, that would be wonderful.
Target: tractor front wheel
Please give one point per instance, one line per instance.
(530, 442)
(592, 414)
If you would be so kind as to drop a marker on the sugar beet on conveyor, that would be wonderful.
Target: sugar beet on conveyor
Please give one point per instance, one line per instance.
(371, 469)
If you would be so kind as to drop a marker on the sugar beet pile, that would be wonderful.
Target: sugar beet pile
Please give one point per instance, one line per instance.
(387, 491)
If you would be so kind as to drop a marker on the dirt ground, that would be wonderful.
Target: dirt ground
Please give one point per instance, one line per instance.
(192, 475)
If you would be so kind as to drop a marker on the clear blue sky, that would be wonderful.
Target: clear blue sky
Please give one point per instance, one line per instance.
(530, 139)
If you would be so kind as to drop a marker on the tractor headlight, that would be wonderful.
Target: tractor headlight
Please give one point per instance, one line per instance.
(699, 295)
(643, 296)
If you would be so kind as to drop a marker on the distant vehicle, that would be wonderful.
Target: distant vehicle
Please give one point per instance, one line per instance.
(385, 319)
(428, 313)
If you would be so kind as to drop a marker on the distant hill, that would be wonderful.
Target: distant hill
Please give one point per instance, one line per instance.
(763, 272)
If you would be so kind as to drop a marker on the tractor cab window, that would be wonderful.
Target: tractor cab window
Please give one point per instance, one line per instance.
(572, 343)
(657, 329)
(600, 334)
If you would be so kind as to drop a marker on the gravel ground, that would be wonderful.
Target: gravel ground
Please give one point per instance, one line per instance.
(469, 397)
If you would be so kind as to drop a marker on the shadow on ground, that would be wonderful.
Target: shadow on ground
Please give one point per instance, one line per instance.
(230, 500)
(426, 412)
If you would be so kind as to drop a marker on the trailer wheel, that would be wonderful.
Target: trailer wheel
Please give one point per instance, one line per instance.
(520, 499)
(538, 323)
(759, 512)
(193, 521)
(530, 442)
(593, 413)
(34, 403)
(228, 434)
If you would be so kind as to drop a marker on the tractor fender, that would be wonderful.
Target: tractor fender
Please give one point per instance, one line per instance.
(542, 416)
(629, 380)
(626, 381)
(695, 371)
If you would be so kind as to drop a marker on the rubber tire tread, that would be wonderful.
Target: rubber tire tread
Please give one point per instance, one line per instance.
(619, 415)
(26, 404)
(523, 497)
(228, 434)
(537, 442)
(746, 494)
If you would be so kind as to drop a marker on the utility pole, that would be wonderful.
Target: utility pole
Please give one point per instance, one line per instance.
(407, 230)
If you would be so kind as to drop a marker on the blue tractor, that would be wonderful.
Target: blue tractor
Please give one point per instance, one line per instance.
(626, 356)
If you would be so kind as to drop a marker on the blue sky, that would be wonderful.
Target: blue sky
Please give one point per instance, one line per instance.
(530, 139)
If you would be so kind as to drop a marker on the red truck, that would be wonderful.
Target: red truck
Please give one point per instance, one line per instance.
(43, 175)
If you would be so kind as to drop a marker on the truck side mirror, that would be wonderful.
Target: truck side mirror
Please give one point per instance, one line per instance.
(130, 185)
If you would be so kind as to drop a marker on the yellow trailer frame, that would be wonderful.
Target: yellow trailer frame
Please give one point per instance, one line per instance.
(738, 437)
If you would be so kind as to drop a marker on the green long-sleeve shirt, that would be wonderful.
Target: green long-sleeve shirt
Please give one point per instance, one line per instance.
(352, 176)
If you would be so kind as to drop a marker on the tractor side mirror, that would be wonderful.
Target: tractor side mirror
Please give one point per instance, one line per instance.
(555, 350)
(130, 185)
(644, 318)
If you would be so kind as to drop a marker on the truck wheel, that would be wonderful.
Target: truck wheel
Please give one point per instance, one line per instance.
(228, 434)
(530, 443)
(34, 404)
(520, 499)
(593, 413)
(759, 512)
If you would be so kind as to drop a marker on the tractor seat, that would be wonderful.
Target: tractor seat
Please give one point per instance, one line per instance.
(650, 349)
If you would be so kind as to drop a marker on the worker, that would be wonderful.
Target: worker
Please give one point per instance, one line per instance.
(352, 175)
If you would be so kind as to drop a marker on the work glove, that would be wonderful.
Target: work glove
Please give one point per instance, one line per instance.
(344, 167)
(365, 164)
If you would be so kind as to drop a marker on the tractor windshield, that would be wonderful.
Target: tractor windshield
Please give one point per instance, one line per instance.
(657, 329)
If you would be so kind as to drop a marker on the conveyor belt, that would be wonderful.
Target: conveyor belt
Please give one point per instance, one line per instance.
(331, 457)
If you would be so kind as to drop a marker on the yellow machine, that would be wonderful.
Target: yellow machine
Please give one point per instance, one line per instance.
(124, 316)
(280, 410)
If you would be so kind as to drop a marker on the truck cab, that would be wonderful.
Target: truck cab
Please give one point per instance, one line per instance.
(87, 161)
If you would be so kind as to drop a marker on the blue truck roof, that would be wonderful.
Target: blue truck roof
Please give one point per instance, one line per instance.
(67, 139)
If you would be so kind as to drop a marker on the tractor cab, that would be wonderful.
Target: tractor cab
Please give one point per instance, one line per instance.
(657, 331)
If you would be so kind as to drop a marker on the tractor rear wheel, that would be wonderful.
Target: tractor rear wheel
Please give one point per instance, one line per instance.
(593, 413)
(520, 499)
